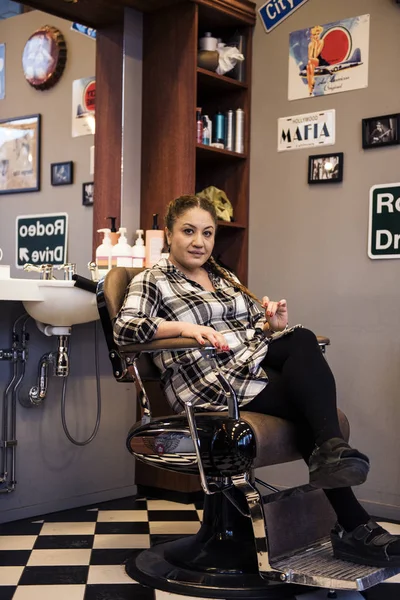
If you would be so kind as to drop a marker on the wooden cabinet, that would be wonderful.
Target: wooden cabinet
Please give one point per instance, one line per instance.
(172, 162)
(173, 86)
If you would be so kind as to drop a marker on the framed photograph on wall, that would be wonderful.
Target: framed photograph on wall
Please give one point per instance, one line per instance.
(20, 154)
(381, 131)
(325, 168)
(87, 193)
(62, 173)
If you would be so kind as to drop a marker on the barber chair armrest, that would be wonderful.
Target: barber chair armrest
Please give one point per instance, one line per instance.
(182, 343)
(177, 343)
(123, 357)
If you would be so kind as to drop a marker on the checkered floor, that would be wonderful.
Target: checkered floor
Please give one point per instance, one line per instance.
(79, 554)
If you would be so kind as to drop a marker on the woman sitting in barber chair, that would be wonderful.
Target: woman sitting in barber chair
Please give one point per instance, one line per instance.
(274, 369)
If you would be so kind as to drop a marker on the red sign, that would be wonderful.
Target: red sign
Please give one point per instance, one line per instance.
(89, 96)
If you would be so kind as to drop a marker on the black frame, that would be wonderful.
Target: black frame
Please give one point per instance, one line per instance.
(36, 187)
(366, 133)
(314, 157)
(70, 178)
(84, 201)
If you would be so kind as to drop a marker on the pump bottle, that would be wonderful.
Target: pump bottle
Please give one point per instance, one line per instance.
(114, 234)
(122, 251)
(103, 253)
(138, 251)
(154, 243)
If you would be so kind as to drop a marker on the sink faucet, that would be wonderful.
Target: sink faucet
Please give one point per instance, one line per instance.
(46, 271)
(69, 270)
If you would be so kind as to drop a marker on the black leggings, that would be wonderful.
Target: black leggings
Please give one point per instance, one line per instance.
(302, 389)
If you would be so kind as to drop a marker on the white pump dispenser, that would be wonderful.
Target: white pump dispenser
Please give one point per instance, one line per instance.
(103, 253)
(138, 251)
(122, 251)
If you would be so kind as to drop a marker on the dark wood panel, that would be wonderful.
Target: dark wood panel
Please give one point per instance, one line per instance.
(103, 13)
(154, 477)
(231, 250)
(231, 225)
(169, 108)
(108, 137)
(96, 13)
(208, 154)
(214, 83)
(223, 13)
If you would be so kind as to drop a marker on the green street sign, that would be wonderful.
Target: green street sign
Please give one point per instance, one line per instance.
(384, 221)
(42, 239)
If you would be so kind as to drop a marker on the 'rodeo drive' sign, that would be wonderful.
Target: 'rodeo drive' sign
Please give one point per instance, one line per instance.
(305, 131)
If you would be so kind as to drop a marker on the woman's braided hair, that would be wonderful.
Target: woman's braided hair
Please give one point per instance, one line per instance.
(176, 208)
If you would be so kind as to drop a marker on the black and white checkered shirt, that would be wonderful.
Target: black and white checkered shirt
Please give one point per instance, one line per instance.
(164, 293)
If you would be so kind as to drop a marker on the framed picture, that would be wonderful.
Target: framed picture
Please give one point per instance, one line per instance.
(20, 154)
(87, 193)
(381, 131)
(62, 173)
(325, 168)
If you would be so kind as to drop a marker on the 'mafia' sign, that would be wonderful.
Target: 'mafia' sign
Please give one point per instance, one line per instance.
(305, 131)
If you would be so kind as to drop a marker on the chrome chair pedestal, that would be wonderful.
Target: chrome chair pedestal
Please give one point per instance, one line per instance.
(220, 561)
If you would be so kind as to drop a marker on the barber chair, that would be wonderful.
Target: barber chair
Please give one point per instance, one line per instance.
(249, 545)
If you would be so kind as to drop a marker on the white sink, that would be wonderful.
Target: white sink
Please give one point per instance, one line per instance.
(19, 289)
(59, 303)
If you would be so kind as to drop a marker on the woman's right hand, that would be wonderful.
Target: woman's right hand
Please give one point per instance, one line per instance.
(201, 333)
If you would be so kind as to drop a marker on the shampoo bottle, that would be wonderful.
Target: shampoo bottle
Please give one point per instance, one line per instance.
(138, 251)
(103, 253)
(154, 243)
(114, 234)
(122, 251)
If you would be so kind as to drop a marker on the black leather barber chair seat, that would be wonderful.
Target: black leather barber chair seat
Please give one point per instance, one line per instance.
(248, 544)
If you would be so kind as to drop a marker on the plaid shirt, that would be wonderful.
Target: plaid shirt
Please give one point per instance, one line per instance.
(164, 293)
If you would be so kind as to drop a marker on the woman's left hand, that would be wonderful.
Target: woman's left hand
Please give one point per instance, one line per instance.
(276, 313)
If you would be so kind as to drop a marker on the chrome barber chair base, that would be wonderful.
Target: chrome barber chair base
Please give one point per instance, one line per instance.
(153, 569)
(220, 561)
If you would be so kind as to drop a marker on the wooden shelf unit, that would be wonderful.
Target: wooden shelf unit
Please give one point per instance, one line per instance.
(217, 83)
(173, 86)
(172, 162)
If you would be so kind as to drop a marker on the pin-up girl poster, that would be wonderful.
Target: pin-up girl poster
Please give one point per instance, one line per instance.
(327, 59)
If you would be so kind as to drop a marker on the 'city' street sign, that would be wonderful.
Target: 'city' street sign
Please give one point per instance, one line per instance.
(42, 239)
(384, 221)
(273, 12)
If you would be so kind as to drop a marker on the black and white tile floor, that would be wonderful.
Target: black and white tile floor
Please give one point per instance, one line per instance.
(79, 554)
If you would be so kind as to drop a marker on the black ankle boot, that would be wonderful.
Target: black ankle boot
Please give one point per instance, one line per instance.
(335, 464)
(367, 544)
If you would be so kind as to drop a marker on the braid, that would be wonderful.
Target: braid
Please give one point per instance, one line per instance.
(225, 275)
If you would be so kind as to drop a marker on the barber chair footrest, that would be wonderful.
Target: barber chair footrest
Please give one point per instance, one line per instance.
(316, 566)
(298, 522)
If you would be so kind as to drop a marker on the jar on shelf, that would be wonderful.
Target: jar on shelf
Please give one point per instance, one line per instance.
(208, 56)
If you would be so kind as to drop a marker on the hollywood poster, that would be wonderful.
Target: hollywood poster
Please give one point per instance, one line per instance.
(328, 59)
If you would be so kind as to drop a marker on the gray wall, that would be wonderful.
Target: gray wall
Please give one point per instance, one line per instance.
(309, 244)
(52, 473)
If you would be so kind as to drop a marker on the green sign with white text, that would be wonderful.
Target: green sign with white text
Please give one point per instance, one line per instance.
(41, 239)
(384, 221)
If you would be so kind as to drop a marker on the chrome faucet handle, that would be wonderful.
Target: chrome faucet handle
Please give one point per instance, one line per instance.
(46, 271)
(69, 270)
(30, 267)
(94, 274)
